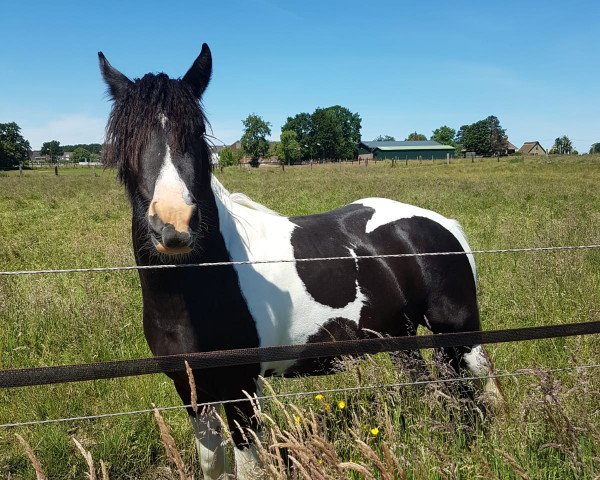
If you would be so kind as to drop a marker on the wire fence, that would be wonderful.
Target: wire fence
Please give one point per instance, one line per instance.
(261, 355)
(287, 396)
(299, 260)
(61, 374)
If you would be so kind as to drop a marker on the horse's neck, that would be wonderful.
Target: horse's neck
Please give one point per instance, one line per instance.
(243, 223)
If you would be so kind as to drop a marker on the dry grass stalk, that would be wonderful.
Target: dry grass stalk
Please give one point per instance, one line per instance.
(392, 463)
(326, 448)
(193, 395)
(372, 456)
(169, 443)
(517, 468)
(355, 467)
(280, 465)
(37, 466)
(298, 466)
(87, 456)
(104, 470)
(275, 400)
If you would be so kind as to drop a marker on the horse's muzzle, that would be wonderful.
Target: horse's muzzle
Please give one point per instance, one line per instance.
(167, 239)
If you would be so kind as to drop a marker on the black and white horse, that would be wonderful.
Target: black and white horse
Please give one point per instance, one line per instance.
(181, 213)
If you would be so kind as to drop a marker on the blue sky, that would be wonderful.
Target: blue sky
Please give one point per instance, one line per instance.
(403, 66)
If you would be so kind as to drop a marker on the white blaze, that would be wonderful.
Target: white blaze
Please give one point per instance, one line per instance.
(169, 184)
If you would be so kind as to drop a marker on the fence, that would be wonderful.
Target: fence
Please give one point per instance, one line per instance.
(219, 359)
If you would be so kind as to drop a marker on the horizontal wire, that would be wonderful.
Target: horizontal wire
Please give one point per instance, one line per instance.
(297, 260)
(518, 373)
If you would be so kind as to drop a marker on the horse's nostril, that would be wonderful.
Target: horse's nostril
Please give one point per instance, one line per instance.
(171, 238)
(156, 224)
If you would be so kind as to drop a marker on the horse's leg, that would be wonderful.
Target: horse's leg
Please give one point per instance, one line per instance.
(479, 364)
(207, 428)
(243, 424)
(209, 442)
(412, 360)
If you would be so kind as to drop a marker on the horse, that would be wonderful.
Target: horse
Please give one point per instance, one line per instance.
(181, 213)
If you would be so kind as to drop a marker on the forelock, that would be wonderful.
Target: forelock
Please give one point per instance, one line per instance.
(138, 113)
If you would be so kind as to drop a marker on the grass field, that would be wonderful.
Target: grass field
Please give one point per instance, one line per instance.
(551, 429)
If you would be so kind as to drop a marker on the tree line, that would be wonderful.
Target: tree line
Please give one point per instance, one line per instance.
(486, 138)
(15, 150)
(327, 133)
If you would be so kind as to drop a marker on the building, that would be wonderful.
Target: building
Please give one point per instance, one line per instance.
(532, 148)
(407, 150)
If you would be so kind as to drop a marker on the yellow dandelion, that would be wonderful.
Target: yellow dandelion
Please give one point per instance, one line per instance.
(341, 404)
(320, 461)
(297, 418)
(319, 397)
(374, 431)
(327, 406)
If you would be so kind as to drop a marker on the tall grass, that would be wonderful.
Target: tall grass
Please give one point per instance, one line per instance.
(77, 219)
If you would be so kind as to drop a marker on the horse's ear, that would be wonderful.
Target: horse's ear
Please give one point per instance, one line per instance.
(199, 73)
(116, 81)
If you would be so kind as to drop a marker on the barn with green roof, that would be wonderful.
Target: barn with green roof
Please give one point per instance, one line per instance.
(407, 150)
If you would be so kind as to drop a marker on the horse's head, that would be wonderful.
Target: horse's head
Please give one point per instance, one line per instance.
(155, 137)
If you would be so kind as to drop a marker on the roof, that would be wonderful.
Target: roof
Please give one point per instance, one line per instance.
(528, 146)
(415, 147)
(407, 143)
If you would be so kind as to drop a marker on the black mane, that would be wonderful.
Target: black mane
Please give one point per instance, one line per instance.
(136, 115)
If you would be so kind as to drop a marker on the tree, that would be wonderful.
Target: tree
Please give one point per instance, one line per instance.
(93, 148)
(384, 138)
(498, 138)
(332, 132)
(302, 125)
(485, 137)
(14, 149)
(288, 149)
(229, 157)
(254, 141)
(350, 124)
(416, 137)
(595, 148)
(327, 134)
(444, 135)
(562, 146)
(81, 154)
(52, 149)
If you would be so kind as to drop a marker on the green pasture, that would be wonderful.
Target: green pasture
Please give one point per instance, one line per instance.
(81, 218)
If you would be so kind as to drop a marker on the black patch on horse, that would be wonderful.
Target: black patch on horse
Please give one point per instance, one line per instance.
(331, 234)
(335, 329)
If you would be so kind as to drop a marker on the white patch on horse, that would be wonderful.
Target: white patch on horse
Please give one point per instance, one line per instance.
(388, 211)
(163, 119)
(247, 466)
(209, 443)
(479, 365)
(283, 310)
(477, 362)
(169, 183)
